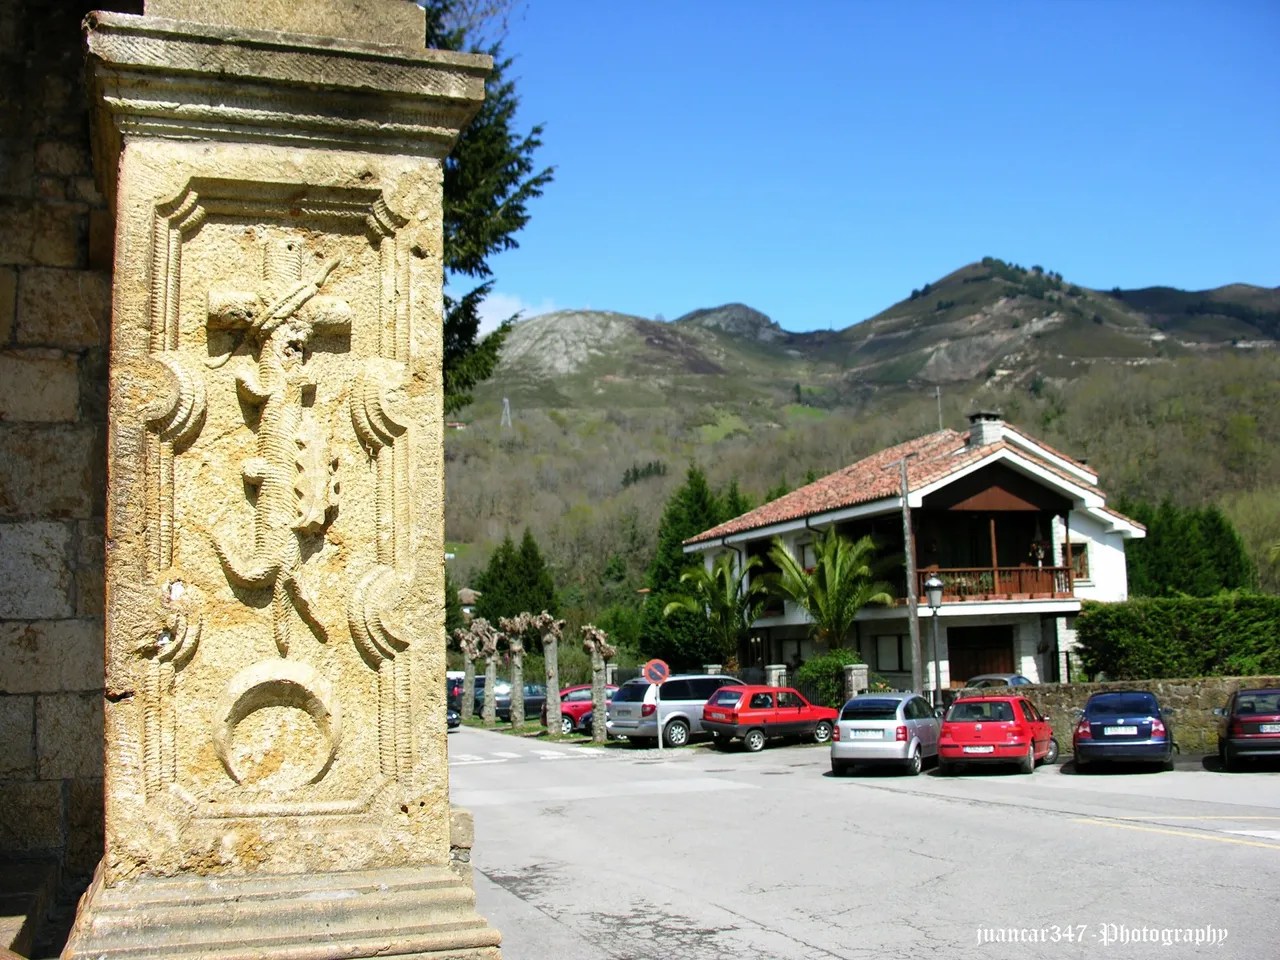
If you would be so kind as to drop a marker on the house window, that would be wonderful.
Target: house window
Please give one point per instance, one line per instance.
(890, 653)
(1079, 560)
(805, 554)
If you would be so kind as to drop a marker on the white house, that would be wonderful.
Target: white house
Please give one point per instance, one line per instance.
(1018, 532)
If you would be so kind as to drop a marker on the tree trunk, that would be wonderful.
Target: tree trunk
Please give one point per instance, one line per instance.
(490, 681)
(551, 656)
(599, 717)
(468, 708)
(517, 690)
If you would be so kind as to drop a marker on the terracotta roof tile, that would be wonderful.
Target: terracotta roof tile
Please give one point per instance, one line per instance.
(936, 456)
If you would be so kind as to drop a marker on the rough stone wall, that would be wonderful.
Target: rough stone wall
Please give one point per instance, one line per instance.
(55, 293)
(1192, 702)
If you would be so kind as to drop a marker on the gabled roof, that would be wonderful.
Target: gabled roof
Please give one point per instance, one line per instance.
(932, 458)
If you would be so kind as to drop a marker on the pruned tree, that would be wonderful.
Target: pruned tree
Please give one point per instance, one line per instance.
(487, 640)
(470, 648)
(514, 629)
(550, 629)
(596, 643)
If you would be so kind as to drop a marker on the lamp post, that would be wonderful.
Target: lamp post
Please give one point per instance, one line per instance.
(933, 596)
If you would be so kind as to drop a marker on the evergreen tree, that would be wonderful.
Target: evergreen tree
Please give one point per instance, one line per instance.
(1186, 552)
(682, 639)
(776, 492)
(489, 180)
(734, 503)
(453, 618)
(517, 580)
(537, 586)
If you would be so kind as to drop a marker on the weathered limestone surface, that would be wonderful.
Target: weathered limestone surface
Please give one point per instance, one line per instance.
(276, 775)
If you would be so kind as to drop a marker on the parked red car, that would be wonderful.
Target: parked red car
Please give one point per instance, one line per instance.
(757, 713)
(1249, 727)
(995, 730)
(575, 708)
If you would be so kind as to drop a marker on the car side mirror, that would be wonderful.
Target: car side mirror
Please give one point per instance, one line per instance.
(939, 712)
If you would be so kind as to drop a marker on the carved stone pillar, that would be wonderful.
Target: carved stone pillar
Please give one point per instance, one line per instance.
(276, 775)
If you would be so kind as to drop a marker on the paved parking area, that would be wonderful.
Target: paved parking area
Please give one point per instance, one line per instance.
(584, 852)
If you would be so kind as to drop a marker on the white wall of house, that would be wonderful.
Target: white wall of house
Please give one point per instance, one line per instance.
(1108, 580)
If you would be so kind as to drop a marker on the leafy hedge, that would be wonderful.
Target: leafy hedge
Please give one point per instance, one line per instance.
(1159, 638)
(823, 676)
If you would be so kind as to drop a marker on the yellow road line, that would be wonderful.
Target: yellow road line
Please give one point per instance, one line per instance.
(1177, 833)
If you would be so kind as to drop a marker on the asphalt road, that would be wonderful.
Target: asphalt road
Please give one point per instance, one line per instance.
(585, 853)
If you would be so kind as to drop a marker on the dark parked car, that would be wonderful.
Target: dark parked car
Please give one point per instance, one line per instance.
(1249, 727)
(535, 698)
(452, 718)
(1125, 725)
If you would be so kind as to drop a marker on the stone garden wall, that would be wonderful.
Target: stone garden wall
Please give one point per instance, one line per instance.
(55, 294)
(1190, 704)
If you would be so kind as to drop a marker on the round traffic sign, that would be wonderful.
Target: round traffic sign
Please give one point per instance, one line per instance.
(656, 671)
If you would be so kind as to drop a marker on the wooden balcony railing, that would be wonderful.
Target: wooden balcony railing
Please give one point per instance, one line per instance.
(1001, 583)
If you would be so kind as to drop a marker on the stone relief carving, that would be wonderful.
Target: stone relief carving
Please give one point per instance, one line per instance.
(297, 487)
(278, 722)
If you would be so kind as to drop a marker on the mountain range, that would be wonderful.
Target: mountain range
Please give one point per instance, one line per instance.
(988, 322)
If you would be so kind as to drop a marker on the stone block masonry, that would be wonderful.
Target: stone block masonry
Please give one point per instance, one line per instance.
(54, 331)
(1190, 704)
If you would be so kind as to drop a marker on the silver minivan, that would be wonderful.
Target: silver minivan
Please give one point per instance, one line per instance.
(895, 728)
(633, 710)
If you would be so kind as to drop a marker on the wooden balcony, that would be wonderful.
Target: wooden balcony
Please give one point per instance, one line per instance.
(1000, 583)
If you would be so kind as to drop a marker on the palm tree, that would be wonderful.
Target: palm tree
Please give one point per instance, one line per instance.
(841, 582)
(730, 599)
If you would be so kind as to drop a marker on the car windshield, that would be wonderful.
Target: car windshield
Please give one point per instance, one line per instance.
(870, 710)
(727, 698)
(1267, 701)
(631, 693)
(1122, 704)
(978, 711)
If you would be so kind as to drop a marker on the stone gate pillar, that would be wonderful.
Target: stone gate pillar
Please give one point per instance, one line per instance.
(276, 775)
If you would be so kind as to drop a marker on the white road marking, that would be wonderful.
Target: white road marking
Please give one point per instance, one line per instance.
(1262, 834)
(506, 755)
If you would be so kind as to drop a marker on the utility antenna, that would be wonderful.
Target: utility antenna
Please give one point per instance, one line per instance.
(937, 392)
(506, 412)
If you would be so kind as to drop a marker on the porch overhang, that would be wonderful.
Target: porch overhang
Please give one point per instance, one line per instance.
(950, 610)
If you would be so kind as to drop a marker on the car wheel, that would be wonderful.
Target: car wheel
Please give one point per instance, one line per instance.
(753, 741)
(840, 768)
(946, 768)
(566, 725)
(676, 733)
(914, 764)
(822, 732)
(1229, 762)
(1167, 764)
(1051, 756)
(1028, 763)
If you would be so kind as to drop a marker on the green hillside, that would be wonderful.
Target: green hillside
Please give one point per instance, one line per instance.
(1168, 394)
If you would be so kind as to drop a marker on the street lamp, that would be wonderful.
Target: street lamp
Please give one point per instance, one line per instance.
(933, 596)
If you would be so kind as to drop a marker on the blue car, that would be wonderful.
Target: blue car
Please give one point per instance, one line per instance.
(1125, 726)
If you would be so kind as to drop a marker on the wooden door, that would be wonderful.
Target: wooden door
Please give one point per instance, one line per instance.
(977, 650)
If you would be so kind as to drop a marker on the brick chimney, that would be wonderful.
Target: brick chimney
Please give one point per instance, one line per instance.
(985, 428)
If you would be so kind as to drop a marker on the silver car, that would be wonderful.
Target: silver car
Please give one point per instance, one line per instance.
(633, 710)
(893, 728)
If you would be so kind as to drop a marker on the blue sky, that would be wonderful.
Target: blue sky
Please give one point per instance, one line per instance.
(818, 160)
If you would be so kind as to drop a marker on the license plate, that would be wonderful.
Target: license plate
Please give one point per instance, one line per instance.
(868, 734)
(715, 716)
(980, 749)
(1269, 728)
(1120, 731)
